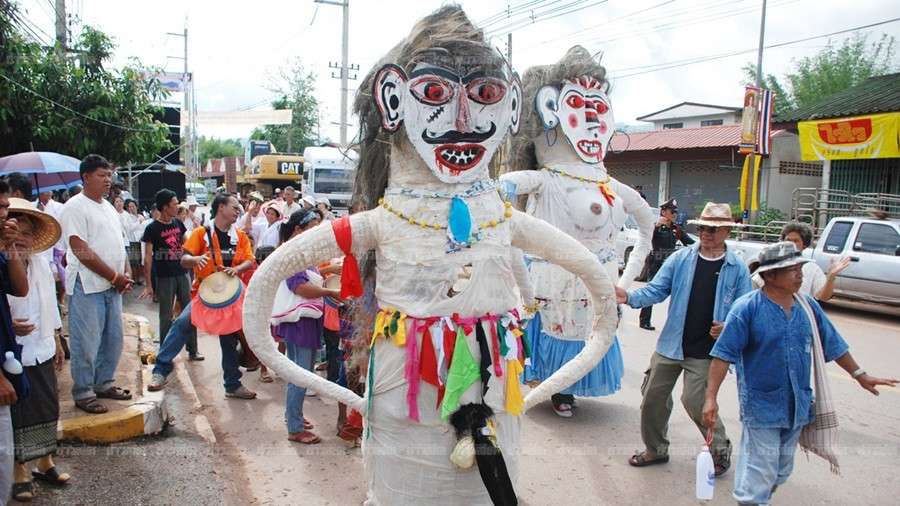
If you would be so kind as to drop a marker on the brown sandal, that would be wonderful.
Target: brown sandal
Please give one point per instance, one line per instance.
(92, 406)
(640, 459)
(306, 437)
(115, 393)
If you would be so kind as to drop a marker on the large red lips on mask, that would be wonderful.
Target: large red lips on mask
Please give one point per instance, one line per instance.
(458, 158)
(591, 148)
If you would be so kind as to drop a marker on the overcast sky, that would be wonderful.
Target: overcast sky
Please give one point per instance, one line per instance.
(236, 47)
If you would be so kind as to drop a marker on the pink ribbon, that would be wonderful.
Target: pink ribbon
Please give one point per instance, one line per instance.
(412, 369)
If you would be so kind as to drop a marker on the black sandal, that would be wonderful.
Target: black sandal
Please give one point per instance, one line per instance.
(115, 393)
(51, 476)
(92, 406)
(722, 459)
(23, 492)
(640, 460)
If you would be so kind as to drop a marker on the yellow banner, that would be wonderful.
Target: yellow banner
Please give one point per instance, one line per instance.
(749, 184)
(860, 137)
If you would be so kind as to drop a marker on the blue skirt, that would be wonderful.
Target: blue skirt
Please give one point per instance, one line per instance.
(548, 354)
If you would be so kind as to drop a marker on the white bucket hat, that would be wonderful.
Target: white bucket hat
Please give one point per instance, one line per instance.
(716, 215)
(778, 256)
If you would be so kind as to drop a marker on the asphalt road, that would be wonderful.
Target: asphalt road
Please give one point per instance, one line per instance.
(581, 460)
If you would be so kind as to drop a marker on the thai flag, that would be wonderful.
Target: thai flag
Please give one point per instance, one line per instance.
(764, 135)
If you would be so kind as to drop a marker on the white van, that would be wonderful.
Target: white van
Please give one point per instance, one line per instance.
(329, 172)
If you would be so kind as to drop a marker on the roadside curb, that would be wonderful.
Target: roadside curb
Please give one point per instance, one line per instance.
(146, 416)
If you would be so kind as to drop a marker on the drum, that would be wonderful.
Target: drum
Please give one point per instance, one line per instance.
(218, 304)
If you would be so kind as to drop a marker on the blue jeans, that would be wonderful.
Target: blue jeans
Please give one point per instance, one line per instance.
(294, 395)
(765, 461)
(174, 341)
(7, 445)
(95, 344)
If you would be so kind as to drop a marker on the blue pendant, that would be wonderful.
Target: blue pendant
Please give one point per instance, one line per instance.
(460, 221)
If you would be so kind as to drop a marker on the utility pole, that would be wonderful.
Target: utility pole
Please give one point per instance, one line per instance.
(509, 49)
(61, 42)
(187, 83)
(749, 213)
(344, 67)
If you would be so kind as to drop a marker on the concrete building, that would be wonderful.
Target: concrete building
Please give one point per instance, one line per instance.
(693, 115)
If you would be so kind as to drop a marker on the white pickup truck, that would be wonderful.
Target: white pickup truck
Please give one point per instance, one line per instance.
(873, 246)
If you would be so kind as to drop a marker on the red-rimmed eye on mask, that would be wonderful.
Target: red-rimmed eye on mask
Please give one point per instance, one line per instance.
(431, 90)
(486, 91)
(575, 101)
(601, 107)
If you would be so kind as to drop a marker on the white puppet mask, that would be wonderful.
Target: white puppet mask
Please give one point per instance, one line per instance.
(455, 122)
(583, 112)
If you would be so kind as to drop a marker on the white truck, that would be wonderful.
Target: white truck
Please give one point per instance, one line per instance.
(329, 172)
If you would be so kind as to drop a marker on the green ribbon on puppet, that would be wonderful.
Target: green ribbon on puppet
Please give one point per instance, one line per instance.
(462, 374)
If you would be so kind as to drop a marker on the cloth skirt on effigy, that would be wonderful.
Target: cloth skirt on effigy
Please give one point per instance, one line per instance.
(549, 353)
(35, 418)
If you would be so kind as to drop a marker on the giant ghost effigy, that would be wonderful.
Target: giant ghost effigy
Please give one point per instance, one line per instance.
(567, 125)
(432, 114)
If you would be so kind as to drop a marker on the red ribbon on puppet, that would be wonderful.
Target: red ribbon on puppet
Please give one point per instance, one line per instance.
(351, 284)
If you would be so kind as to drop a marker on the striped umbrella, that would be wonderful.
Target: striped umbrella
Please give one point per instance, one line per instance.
(49, 171)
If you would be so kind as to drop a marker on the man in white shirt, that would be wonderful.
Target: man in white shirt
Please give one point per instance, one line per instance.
(192, 220)
(270, 236)
(97, 274)
(290, 206)
(253, 222)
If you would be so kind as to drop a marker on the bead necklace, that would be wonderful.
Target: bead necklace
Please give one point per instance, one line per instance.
(602, 184)
(477, 188)
(458, 226)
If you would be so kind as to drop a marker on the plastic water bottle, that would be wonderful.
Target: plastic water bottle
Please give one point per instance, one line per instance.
(706, 475)
(11, 365)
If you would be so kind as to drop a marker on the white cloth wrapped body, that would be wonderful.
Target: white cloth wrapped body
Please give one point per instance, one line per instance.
(580, 210)
(407, 462)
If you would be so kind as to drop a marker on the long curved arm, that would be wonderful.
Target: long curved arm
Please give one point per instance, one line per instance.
(520, 271)
(521, 182)
(542, 239)
(312, 247)
(636, 206)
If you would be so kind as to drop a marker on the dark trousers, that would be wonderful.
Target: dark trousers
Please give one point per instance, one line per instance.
(333, 354)
(167, 291)
(646, 313)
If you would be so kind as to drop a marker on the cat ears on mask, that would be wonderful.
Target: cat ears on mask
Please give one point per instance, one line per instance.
(389, 88)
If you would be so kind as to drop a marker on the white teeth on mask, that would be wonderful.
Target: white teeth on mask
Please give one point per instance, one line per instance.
(459, 157)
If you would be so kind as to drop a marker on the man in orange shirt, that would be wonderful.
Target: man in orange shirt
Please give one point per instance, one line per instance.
(231, 252)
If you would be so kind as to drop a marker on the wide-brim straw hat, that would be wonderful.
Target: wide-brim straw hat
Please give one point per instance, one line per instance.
(255, 195)
(46, 231)
(716, 215)
(778, 256)
(219, 290)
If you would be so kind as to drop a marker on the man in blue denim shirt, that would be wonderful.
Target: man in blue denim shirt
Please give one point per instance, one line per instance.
(768, 337)
(702, 281)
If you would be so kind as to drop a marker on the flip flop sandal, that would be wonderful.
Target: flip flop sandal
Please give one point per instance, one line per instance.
(23, 492)
(51, 476)
(115, 393)
(92, 406)
(305, 437)
(307, 424)
(640, 460)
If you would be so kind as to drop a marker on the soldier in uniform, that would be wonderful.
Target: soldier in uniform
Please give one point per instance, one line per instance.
(665, 235)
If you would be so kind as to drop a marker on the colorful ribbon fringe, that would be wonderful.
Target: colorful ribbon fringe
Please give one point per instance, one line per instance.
(445, 361)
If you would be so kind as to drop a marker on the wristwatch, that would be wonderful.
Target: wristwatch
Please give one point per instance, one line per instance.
(857, 373)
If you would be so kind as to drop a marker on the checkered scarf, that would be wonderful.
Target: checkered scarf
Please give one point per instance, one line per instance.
(820, 435)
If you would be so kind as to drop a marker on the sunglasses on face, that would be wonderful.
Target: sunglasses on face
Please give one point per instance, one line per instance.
(704, 228)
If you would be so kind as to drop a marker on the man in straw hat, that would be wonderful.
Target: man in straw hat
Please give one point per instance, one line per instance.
(769, 337)
(702, 282)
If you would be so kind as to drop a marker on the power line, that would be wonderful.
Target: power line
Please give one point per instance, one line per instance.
(73, 111)
(702, 59)
(546, 15)
(511, 11)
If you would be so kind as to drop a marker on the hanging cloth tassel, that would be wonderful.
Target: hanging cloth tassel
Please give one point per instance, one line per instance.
(370, 390)
(351, 283)
(484, 360)
(398, 329)
(412, 371)
(463, 373)
(496, 350)
(607, 193)
(428, 368)
(514, 401)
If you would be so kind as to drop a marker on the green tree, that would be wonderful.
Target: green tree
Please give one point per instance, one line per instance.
(296, 90)
(71, 104)
(835, 68)
(210, 147)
